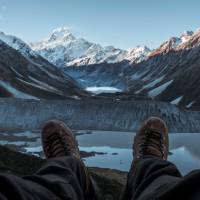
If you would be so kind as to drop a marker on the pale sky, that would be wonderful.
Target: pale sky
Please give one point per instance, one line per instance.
(121, 23)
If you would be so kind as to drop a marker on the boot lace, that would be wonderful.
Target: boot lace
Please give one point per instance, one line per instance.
(57, 145)
(153, 139)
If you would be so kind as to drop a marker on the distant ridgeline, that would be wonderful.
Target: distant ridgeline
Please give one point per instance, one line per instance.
(18, 114)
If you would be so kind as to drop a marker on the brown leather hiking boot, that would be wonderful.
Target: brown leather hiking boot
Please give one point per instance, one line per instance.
(152, 139)
(58, 140)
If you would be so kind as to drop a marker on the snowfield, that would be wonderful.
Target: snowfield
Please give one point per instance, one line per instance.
(62, 48)
(177, 100)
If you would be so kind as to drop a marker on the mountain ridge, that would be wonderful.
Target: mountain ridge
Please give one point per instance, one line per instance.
(63, 49)
(169, 73)
(25, 74)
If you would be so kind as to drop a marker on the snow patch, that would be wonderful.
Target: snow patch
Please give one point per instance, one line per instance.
(190, 104)
(16, 93)
(155, 92)
(177, 100)
(153, 83)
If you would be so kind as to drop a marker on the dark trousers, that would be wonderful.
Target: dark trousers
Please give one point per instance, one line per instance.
(153, 178)
(64, 178)
(60, 178)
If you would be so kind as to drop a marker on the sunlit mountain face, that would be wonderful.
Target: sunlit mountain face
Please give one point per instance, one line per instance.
(63, 49)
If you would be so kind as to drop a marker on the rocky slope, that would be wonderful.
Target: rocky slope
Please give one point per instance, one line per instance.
(25, 74)
(170, 73)
(17, 44)
(62, 48)
(94, 114)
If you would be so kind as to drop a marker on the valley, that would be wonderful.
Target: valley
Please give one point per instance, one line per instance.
(102, 93)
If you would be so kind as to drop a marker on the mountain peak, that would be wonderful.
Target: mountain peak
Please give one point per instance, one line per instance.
(186, 36)
(139, 49)
(61, 33)
(138, 54)
(187, 33)
(184, 41)
(63, 49)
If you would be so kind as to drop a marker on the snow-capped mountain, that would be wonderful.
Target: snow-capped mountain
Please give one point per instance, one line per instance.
(62, 48)
(170, 73)
(25, 74)
(137, 54)
(187, 40)
(17, 44)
